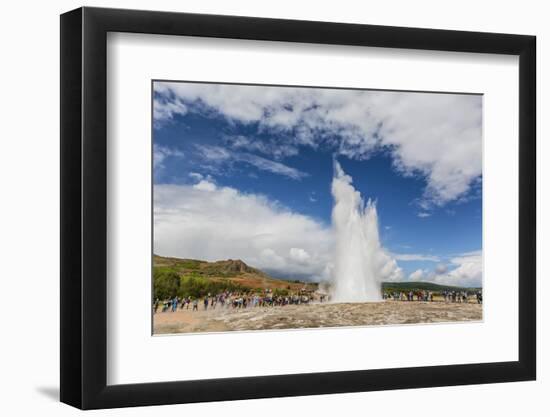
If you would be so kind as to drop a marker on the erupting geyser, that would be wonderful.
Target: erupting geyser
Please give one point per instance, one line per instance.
(358, 251)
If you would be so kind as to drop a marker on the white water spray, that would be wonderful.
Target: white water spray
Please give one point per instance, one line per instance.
(358, 251)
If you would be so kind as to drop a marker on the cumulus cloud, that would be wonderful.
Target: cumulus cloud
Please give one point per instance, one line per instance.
(299, 255)
(464, 270)
(437, 136)
(467, 271)
(390, 270)
(417, 275)
(205, 221)
(205, 185)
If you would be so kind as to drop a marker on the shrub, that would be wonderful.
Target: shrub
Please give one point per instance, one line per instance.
(166, 283)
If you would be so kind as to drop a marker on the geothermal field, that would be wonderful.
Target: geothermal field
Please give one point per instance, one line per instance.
(316, 316)
(230, 295)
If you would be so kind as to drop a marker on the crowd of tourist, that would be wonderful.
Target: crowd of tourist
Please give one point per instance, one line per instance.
(236, 300)
(448, 296)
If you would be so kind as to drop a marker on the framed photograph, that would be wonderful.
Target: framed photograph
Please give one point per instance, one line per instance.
(258, 208)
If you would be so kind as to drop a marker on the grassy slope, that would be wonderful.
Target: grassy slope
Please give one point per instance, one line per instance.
(235, 271)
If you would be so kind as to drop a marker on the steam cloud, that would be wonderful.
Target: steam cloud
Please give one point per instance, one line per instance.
(360, 260)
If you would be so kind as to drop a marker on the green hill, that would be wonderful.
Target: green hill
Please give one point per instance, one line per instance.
(196, 278)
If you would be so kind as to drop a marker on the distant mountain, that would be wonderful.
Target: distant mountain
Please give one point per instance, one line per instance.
(422, 286)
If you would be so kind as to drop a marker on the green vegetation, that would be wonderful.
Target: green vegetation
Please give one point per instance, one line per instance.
(197, 278)
(167, 283)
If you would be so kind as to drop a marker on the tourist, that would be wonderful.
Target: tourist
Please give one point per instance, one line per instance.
(479, 297)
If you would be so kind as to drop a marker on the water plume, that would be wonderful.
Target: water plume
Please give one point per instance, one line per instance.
(358, 253)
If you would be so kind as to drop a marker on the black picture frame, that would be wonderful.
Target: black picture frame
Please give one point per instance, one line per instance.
(84, 207)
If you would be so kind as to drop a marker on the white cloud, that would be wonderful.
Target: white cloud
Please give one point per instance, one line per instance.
(271, 166)
(437, 136)
(464, 270)
(165, 109)
(214, 153)
(423, 214)
(205, 185)
(390, 270)
(266, 146)
(196, 176)
(299, 255)
(219, 155)
(208, 222)
(205, 221)
(414, 257)
(160, 153)
(417, 275)
(467, 271)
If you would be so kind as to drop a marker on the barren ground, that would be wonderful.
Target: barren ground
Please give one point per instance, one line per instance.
(314, 315)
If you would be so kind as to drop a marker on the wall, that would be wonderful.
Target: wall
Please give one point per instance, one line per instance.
(29, 213)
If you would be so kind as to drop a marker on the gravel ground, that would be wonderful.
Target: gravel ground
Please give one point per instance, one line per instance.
(315, 315)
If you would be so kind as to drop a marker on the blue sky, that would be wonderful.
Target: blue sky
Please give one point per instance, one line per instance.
(271, 150)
